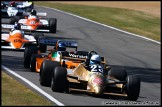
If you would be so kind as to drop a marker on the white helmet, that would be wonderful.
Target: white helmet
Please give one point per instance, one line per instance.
(95, 59)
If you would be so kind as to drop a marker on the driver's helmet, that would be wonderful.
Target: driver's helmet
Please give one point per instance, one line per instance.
(2, 5)
(12, 4)
(33, 12)
(95, 59)
(61, 47)
(17, 26)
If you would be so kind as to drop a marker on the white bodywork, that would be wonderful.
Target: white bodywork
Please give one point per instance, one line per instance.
(16, 31)
(12, 11)
(24, 4)
(5, 36)
(23, 21)
(24, 27)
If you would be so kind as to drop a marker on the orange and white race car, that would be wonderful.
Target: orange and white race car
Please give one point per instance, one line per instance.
(18, 40)
(34, 23)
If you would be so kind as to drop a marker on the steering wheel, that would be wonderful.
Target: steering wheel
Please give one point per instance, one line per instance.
(89, 57)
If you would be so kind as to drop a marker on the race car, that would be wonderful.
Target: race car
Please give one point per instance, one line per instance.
(23, 5)
(96, 78)
(19, 40)
(34, 24)
(27, 5)
(11, 12)
(33, 59)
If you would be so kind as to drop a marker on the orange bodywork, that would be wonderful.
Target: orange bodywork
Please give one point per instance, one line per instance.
(34, 23)
(38, 63)
(17, 40)
(69, 64)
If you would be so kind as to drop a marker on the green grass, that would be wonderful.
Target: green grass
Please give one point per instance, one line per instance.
(15, 94)
(129, 20)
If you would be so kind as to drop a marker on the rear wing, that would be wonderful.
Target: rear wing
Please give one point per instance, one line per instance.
(10, 26)
(38, 14)
(23, 27)
(7, 26)
(51, 41)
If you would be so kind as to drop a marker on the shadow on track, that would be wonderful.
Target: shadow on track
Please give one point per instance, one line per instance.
(149, 75)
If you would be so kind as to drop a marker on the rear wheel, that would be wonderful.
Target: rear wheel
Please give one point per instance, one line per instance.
(119, 74)
(14, 19)
(27, 55)
(52, 25)
(46, 70)
(42, 47)
(133, 87)
(84, 53)
(59, 79)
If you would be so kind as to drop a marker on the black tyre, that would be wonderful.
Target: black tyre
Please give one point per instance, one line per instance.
(37, 35)
(27, 55)
(52, 25)
(33, 61)
(133, 87)
(119, 74)
(28, 9)
(42, 47)
(59, 79)
(46, 70)
(14, 19)
(84, 53)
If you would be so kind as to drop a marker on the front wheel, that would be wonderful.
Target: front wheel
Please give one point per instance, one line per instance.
(132, 87)
(27, 55)
(59, 79)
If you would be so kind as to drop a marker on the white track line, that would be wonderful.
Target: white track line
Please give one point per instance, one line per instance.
(33, 86)
(103, 25)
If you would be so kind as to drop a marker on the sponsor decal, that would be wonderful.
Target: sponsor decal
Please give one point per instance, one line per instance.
(97, 80)
(48, 42)
(7, 26)
(18, 40)
(25, 27)
(77, 56)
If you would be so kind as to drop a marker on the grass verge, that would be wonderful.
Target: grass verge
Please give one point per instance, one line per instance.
(15, 94)
(129, 20)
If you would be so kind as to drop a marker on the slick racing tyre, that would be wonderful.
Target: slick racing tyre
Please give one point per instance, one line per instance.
(119, 74)
(27, 55)
(28, 9)
(14, 19)
(52, 25)
(132, 87)
(42, 47)
(37, 35)
(33, 61)
(46, 70)
(84, 53)
(59, 79)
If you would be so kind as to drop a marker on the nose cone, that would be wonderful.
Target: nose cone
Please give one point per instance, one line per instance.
(17, 43)
(98, 85)
(98, 90)
(17, 46)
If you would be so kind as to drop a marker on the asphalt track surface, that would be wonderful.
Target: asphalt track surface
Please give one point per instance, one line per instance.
(139, 56)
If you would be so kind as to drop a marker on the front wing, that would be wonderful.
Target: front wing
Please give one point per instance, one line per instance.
(23, 27)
